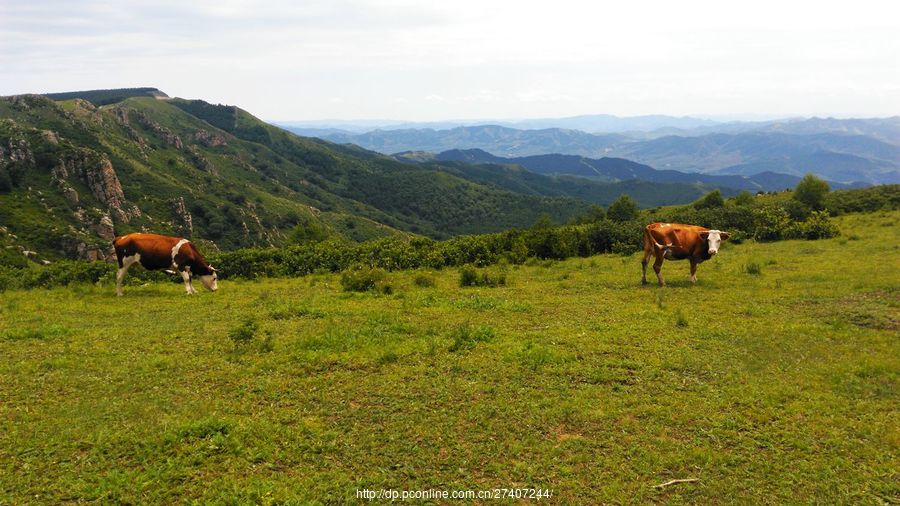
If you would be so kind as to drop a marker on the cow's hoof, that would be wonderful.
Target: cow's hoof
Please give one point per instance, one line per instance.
(643, 281)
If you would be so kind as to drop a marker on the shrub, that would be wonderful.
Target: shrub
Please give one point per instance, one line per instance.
(424, 280)
(817, 226)
(863, 200)
(365, 279)
(796, 210)
(469, 276)
(771, 223)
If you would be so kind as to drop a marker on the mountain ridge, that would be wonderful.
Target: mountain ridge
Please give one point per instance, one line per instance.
(826, 154)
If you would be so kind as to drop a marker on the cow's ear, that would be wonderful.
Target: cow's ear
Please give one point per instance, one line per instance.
(704, 235)
(724, 236)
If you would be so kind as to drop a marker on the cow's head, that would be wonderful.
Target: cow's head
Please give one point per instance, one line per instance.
(713, 239)
(211, 280)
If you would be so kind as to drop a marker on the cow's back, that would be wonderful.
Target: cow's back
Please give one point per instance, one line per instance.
(684, 239)
(155, 250)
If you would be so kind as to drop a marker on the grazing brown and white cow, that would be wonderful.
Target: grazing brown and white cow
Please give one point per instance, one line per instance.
(161, 252)
(675, 241)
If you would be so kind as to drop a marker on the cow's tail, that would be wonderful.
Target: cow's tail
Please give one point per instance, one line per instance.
(650, 242)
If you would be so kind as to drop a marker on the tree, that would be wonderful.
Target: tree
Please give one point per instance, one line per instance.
(623, 209)
(811, 191)
(594, 214)
(308, 231)
(744, 198)
(544, 221)
(710, 200)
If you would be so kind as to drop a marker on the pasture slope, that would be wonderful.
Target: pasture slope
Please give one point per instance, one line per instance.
(773, 380)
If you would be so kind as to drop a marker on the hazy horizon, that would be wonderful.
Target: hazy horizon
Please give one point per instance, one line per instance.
(722, 118)
(369, 60)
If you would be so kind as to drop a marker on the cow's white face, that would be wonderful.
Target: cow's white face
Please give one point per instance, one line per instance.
(713, 239)
(210, 281)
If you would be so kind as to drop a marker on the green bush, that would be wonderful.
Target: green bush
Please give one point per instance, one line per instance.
(771, 223)
(424, 280)
(864, 200)
(365, 279)
(817, 226)
(469, 276)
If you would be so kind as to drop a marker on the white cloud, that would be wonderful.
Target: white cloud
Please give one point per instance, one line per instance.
(504, 58)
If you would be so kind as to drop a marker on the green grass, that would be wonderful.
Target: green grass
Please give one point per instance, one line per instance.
(776, 388)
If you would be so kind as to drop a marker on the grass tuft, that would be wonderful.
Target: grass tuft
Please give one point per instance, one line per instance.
(752, 268)
(680, 319)
(466, 337)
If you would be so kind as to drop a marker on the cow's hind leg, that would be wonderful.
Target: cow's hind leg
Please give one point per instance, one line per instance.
(124, 264)
(644, 263)
(657, 267)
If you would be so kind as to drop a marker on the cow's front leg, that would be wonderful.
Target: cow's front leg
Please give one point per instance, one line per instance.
(657, 267)
(693, 271)
(120, 276)
(188, 287)
(125, 263)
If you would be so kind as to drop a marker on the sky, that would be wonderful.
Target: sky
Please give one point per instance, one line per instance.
(467, 59)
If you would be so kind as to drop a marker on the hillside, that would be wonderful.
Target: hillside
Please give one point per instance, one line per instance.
(861, 152)
(73, 175)
(111, 96)
(515, 178)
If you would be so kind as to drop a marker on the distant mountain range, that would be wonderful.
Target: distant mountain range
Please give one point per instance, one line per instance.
(614, 170)
(845, 151)
(593, 123)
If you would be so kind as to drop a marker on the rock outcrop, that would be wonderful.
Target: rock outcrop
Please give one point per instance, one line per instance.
(181, 218)
(201, 162)
(209, 139)
(121, 115)
(163, 133)
(96, 170)
(17, 149)
(104, 228)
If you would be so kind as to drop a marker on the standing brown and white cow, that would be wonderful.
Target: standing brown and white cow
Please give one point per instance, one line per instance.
(675, 241)
(161, 252)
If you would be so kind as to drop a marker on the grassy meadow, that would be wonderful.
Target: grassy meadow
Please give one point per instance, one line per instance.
(775, 379)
